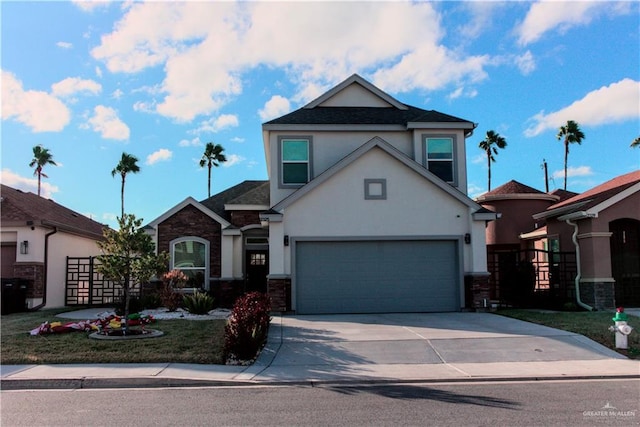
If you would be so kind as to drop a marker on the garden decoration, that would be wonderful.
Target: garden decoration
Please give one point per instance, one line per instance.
(111, 325)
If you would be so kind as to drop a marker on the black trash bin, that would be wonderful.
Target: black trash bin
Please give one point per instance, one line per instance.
(13, 295)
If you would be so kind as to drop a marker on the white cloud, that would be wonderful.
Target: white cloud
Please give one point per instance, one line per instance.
(64, 45)
(90, 5)
(195, 142)
(275, 107)
(205, 47)
(232, 160)
(216, 124)
(7, 177)
(162, 155)
(106, 121)
(117, 94)
(73, 85)
(479, 159)
(145, 107)
(99, 72)
(482, 18)
(617, 102)
(38, 110)
(573, 172)
(237, 140)
(462, 92)
(525, 63)
(549, 15)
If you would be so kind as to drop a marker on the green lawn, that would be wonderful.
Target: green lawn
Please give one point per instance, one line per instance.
(184, 341)
(593, 325)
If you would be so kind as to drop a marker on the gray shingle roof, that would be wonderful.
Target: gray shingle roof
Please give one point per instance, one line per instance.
(247, 192)
(363, 116)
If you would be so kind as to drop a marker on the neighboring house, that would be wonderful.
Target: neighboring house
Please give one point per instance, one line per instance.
(219, 243)
(369, 208)
(37, 237)
(605, 251)
(508, 255)
(603, 226)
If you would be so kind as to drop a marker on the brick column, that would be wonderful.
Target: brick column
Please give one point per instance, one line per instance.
(480, 291)
(279, 290)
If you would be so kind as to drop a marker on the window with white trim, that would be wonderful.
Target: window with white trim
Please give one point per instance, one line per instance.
(295, 155)
(439, 157)
(190, 256)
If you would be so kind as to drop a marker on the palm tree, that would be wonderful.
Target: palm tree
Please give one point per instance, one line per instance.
(127, 164)
(490, 145)
(635, 143)
(569, 133)
(212, 156)
(41, 158)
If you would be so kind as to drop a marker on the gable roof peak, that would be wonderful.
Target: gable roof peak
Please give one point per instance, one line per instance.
(356, 79)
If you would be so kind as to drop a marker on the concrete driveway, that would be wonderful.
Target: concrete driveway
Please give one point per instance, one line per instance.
(434, 345)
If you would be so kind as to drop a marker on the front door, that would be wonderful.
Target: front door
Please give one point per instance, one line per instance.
(257, 268)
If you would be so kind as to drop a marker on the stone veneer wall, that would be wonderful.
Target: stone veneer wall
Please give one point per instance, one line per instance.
(599, 295)
(34, 274)
(478, 289)
(226, 292)
(242, 218)
(192, 222)
(279, 291)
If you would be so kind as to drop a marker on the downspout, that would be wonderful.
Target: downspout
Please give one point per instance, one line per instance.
(46, 267)
(574, 238)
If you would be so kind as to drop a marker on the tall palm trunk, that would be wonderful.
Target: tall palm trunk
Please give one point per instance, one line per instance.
(122, 197)
(489, 174)
(566, 161)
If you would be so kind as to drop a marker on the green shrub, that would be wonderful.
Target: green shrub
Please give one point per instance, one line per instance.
(151, 301)
(247, 326)
(198, 303)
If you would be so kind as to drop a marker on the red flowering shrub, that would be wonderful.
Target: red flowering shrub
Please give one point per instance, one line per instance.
(247, 327)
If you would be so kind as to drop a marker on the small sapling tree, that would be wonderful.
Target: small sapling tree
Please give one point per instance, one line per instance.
(129, 258)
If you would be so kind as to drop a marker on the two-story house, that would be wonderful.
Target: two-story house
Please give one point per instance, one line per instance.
(365, 210)
(369, 207)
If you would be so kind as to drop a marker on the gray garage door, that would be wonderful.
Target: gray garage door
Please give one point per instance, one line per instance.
(377, 276)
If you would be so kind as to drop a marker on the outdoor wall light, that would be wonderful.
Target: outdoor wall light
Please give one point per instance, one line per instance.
(467, 238)
(24, 247)
(264, 222)
(286, 240)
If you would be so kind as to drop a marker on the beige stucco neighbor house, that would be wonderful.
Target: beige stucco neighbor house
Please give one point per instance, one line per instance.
(369, 208)
(37, 236)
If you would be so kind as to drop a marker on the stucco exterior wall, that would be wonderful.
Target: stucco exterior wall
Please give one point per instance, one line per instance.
(31, 266)
(413, 207)
(516, 219)
(62, 245)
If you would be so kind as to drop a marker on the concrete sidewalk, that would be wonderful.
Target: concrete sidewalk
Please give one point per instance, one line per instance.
(365, 349)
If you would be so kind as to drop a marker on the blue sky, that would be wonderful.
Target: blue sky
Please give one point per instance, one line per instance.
(89, 80)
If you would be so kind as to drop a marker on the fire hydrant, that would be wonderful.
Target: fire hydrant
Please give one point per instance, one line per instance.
(621, 328)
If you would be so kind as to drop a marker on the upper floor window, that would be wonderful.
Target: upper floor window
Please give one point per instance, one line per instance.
(295, 160)
(439, 157)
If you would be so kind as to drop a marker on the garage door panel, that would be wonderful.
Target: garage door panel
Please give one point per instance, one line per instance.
(376, 276)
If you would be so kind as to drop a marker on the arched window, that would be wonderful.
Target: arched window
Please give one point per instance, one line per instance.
(191, 256)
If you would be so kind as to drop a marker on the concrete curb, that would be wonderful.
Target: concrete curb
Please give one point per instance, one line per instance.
(104, 383)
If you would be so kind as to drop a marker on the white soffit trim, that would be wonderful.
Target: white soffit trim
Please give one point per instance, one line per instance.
(189, 201)
(239, 207)
(359, 152)
(541, 232)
